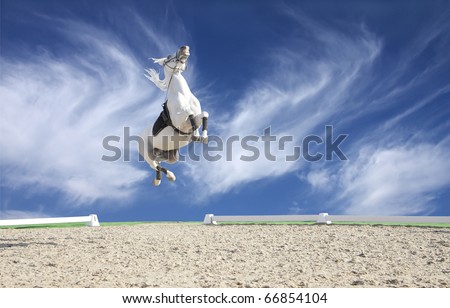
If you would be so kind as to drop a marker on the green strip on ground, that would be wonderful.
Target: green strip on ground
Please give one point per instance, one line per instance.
(404, 224)
(81, 224)
(111, 224)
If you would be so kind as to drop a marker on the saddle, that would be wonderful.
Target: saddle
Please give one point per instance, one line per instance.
(163, 121)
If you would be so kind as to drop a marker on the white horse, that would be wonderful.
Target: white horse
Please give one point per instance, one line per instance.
(179, 122)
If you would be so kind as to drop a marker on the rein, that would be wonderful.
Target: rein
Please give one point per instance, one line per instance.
(166, 62)
(166, 110)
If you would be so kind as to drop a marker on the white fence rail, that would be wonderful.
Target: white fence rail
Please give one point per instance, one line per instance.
(325, 218)
(91, 221)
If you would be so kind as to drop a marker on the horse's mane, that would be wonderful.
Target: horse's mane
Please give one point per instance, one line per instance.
(153, 75)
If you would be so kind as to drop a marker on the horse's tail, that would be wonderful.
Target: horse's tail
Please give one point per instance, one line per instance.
(146, 149)
(153, 76)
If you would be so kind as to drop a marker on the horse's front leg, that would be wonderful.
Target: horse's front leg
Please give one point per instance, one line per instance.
(204, 137)
(196, 122)
(195, 133)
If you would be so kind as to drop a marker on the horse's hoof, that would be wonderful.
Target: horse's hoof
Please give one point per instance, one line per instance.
(171, 177)
(156, 182)
(204, 136)
(195, 138)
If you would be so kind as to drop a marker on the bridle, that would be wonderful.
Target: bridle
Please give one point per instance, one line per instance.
(166, 63)
(171, 59)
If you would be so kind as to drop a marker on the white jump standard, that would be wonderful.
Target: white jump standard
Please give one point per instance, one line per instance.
(91, 221)
(325, 218)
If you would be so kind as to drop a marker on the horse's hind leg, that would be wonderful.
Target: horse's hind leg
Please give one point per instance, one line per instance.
(154, 165)
(170, 176)
(157, 180)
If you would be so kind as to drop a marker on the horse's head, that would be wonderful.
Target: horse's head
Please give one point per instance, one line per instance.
(173, 64)
(176, 63)
(183, 54)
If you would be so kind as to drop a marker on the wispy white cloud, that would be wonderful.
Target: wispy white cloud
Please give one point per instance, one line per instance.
(394, 121)
(14, 214)
(405, 81)
(303, 90)
(328, 77)
(387, 174)
(394, 181)
(319, 179)
(56, 110)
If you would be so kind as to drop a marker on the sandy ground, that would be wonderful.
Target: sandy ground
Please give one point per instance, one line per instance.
(186, 255)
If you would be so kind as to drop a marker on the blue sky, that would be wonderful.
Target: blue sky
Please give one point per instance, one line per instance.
(378, 71)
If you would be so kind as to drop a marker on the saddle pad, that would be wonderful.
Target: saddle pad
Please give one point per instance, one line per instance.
(159, 125)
